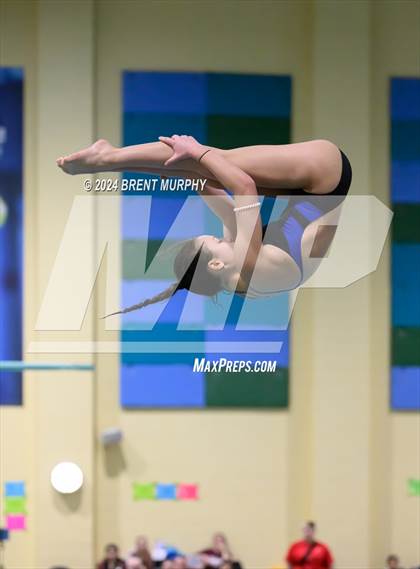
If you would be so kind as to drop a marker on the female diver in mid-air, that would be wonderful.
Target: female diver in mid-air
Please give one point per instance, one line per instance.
(250, 259)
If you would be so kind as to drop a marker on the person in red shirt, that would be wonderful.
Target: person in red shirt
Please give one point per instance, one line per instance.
(309, 553)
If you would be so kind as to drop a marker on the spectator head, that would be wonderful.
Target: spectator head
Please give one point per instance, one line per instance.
(392, 562)
(179, 562)
(167, 564)
(219, 542)
(309, 531)
(111, 552)
(226, 565)
(142, 543)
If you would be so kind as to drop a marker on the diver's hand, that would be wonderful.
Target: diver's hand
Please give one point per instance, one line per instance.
(184, 147)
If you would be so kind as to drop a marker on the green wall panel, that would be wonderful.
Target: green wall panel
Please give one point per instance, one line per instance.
(406, 223)
(406, 346)
(231, 132)
(248, 389)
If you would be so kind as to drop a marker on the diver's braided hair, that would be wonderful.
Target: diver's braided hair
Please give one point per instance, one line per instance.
(167, 293)
(191, 269)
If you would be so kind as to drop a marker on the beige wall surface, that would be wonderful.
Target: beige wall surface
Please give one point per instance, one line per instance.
(338, 455)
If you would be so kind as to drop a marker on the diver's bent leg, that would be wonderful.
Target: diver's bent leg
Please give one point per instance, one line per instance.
(103, 157)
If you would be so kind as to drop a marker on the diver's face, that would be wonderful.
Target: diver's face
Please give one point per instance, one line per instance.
(221, 251)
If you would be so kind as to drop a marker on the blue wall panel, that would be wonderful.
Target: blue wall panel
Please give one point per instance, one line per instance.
(198, 104)
(405, 272)
(11, 230)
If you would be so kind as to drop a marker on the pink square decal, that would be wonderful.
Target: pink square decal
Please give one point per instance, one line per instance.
(188, 492)
(16, 523)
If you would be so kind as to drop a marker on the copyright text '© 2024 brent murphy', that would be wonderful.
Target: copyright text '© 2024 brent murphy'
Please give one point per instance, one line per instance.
(144, 185)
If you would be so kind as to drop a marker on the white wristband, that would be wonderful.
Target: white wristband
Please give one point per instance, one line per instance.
(245, 207)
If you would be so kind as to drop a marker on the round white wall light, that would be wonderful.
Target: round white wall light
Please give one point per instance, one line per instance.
(66, 477)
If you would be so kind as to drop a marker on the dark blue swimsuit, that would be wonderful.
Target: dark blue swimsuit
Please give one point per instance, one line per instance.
(286, 232)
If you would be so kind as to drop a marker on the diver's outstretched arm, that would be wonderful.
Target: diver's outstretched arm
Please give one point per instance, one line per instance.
(221, 204)
(231, 176)
(248, 239)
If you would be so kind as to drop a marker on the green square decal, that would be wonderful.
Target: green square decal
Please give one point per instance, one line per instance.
(144, 491)
(15, 505)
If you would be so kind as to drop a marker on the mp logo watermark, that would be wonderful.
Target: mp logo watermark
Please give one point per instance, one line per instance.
(92, 234)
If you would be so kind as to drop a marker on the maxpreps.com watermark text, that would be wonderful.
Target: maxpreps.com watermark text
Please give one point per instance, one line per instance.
(203, 365)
